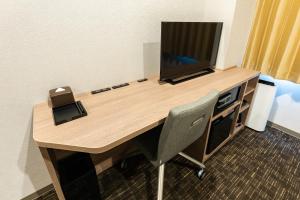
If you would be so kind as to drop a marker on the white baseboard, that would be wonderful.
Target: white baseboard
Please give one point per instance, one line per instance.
(283, 129)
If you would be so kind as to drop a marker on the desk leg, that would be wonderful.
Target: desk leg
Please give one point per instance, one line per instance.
(50, 160)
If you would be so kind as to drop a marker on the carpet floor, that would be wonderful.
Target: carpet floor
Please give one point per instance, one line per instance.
(251, 166)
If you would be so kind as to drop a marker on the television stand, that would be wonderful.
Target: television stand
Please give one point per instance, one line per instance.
(190, 76)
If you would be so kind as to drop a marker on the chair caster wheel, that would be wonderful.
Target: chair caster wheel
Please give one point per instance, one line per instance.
(201, 174)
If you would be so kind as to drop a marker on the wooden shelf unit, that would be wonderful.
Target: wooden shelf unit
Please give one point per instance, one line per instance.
(240, 108)
(244, 107)
(226, 111)
(251, 85)
(249, 91)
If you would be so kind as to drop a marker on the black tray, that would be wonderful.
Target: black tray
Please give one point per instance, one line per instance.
(68, 113)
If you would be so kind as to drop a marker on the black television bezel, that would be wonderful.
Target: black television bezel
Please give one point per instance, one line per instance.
(203, 70)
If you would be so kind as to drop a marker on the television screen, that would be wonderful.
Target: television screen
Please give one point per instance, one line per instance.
(188, 48)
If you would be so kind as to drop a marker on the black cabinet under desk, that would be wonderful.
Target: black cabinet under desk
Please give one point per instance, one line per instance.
(219, 131)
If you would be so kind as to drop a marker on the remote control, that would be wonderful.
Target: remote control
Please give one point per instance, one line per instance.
(121, 85)
(100, 90)
(142, 80)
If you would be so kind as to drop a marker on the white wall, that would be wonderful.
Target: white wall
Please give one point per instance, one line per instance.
(286, 107)
(214, 11)
(241, 27)
(85, 44)
(237, 16)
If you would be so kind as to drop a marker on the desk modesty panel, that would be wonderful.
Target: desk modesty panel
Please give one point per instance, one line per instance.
(117, 116)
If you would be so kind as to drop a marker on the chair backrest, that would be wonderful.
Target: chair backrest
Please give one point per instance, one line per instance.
(184, 125)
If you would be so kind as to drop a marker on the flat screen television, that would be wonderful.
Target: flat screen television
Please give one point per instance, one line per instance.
(188, 49)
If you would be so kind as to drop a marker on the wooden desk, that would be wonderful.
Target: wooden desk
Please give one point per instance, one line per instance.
(117, 116)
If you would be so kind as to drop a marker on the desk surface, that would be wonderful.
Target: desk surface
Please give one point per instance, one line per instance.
(117, 116)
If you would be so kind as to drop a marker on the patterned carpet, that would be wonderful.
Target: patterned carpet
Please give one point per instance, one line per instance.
(252, 166)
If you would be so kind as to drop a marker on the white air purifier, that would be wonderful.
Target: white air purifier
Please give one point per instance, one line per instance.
(261, 105)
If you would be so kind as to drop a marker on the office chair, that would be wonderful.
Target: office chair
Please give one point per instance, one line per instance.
(183, 126)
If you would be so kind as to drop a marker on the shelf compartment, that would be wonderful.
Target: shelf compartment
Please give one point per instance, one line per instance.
(251, 85)
(220, 130)
(242, 91)
(249, 90)
(248, 98)
(244, 107)
(241, 120)
(227, 110)
(238, 129)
